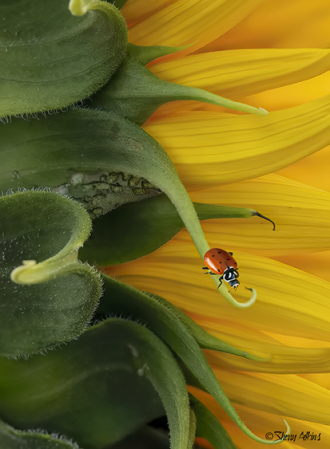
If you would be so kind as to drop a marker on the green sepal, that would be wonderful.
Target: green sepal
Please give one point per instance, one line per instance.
(50, 298)
(209, 427)
(11, 438)
(96, 389)
(174, 327)
(168, 323)
(146, 54)
(136, 93)
(154, 220)
(51, 59)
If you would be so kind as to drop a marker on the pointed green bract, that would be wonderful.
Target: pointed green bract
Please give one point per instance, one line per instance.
(209, 427)
(50, 298)
(215, 390)
(135, 93)
(174, 327)
(155, 221)
(129, 372)
(145, 54)
(11, 438)
(51, 59)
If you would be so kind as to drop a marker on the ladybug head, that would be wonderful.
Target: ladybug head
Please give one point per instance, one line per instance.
(230, 275)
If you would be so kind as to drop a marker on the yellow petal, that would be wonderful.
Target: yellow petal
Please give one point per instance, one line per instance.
(209, 148)
(301, 214)
(187, 22)
(322, 379)
(290, 301)
(244, 72)
(285, 395)
(314, 263)
(313, 170)
(293, 95)
(263, 422)
(278, 358)
(136, 10)
(280, 23)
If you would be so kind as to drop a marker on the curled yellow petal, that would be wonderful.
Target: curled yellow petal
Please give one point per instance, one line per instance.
(209, 148)
(239, 73)
(187, 22)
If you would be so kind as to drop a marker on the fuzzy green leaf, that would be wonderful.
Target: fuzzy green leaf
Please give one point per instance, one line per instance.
(97, 389)
(50, 298)
(154, 220)
(135, 93)
(15, 439)
(51, 59)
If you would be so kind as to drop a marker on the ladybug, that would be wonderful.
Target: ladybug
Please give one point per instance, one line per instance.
(220, 262)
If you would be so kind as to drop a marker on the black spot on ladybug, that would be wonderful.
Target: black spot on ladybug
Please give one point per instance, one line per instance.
(218, 270)
(219, 252)
(213, 255)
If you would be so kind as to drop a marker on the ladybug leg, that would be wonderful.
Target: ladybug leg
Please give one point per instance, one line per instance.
(204, 268)
(220, 279)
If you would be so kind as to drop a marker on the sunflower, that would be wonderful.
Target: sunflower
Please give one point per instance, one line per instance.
(129, 357)
(268, 54)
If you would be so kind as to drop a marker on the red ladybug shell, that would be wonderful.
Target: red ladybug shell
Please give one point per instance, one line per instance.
(218, 260)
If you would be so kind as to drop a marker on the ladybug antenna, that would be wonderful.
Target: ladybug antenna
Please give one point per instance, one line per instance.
(265, 218)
